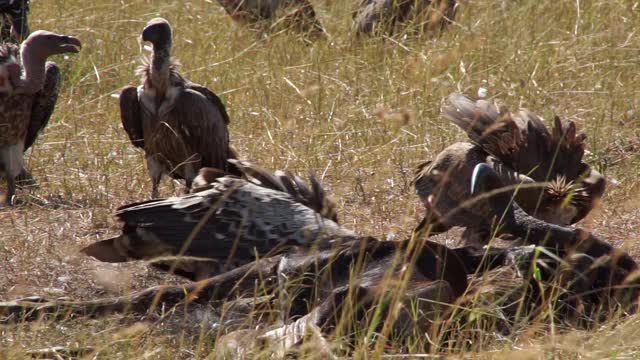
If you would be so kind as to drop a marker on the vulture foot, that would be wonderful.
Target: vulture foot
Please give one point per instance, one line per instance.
(26, 180)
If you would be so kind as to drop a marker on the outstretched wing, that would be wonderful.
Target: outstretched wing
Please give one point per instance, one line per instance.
(520, 140)
(131, 115)
(232, 220)
(44, 102)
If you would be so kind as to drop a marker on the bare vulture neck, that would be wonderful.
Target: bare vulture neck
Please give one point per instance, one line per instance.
(160, 66)
(539, 232)
(32, 78)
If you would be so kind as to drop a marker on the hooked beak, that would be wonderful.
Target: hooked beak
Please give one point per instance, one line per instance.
(70, 44)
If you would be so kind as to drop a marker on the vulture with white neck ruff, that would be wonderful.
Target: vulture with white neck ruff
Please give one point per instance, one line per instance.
(182, 126)
(28, 94)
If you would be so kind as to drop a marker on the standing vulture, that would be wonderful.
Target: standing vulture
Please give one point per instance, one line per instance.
(382, 16)
(300, 15)
(555, 184)
(227, 225)
(182, 126)
(28, 94)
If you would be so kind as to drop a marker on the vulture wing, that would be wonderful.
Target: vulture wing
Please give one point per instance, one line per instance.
(131, 115)
(213, 98)
(233, 221)
(520, 140)
(203, 126)
(314, 197)
(44, 102)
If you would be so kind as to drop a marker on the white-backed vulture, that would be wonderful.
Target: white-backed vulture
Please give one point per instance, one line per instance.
(520, 148)
(182, 126)
(232, 222)
(28, 96)
(300, 15)
(382, 16)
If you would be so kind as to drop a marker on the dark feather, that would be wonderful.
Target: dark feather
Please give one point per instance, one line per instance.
(234, 221)
(523, 143)
(213, 98)
(44, 102)
(315, 198)
(131, 116)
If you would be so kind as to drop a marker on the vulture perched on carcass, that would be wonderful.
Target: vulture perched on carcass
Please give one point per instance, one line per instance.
(28, 92)
(382, 16)
(182, 126)
(554, 183)
(299, 14)
(230, 223)
(15, 27)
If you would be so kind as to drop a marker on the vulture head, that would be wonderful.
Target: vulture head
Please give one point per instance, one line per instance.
(42, 44)
(158, 33)
(34, 52)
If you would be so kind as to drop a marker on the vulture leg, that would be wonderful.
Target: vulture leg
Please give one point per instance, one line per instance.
(11, 190)
(155, 172)
(25, 179)
(12, 158)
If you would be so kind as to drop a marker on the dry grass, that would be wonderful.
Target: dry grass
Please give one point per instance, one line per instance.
(358, 114)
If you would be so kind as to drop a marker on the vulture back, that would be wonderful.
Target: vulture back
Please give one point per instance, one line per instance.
(232, 222)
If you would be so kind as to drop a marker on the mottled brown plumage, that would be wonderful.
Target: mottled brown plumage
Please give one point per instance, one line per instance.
(462, 187)
(182, 126)
(29, 97)
(382, 16)
(229, 222)
(525, 151)
(300, 15)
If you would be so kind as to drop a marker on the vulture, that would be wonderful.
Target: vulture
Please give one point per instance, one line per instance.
(182, 126)
(382, 16)
(300, 15)
(28, 92)
(491, 197)
(486, 208)
(554, 183)
(15, 27)
(226, 225)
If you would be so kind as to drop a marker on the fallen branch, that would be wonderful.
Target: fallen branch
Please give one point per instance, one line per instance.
(237, 281)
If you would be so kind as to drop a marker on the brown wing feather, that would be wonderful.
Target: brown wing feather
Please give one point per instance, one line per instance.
(44, 102)
(212, 97)
(131, 115)
(521, 140)
(203, 128)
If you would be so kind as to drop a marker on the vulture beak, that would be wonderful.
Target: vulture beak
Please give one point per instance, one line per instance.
(69, 44)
